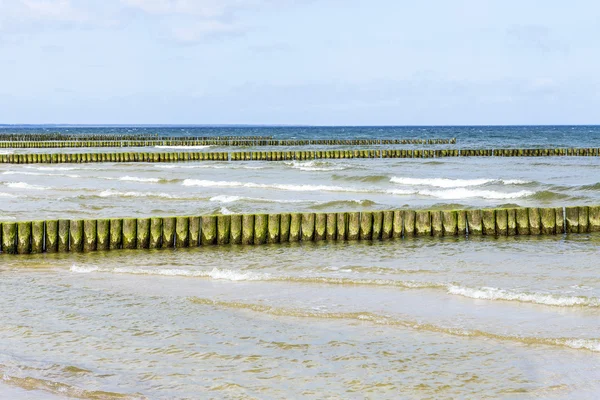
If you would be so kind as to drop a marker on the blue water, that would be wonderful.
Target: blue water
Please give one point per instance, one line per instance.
(467, 136)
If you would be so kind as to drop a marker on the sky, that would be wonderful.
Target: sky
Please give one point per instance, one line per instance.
(309, 62)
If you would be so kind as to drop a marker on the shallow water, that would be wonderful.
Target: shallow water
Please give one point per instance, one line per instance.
(193, 188)
(417, 318)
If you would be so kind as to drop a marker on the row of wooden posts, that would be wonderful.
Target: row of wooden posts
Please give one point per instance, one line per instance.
(59, 236)
(216, 142)
(45, 158)
(62, 137)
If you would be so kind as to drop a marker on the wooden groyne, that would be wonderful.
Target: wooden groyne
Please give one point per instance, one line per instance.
(53, 158)
(222, 141)
(60, 236)
(63, 137)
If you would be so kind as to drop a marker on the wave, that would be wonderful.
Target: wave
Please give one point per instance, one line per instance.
(2, 194)
(367, 179)
(182, 147)
(206, 166)
(226, 274)
(115, 193)
(490, 293)
(29, 383)
(289, 187)
(463, 193)
(52, 168)
(136, 179)
(24, 185)
(39, 174)
(451, 194)
(548, 195)
(453, 183)
(233, 199)
(573, 343)
(342, 203)
(225, 211)
(315, 166)
(483, 293)
(595, 186)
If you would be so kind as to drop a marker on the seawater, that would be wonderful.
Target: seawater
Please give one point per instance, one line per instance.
(418, 318)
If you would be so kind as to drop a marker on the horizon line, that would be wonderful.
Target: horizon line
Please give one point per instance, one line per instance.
(283, 125)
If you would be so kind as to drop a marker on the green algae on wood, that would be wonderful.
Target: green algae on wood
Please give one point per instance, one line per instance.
(353, 226)
(274, 228)
(37, 237)
(208, 230)
(422, 223)
(90, 235)
(143, 233)
(548, 221)
(572, 219)
(24, 237)
(450, 223)
(116, 234)
(261, 228)
(522, 220)
(129, 233)
(235, 234)
(63, 235)
(320, 227)
(223, 229)
(308, 227)
(9, 237)
(248, 229)
(409, 223)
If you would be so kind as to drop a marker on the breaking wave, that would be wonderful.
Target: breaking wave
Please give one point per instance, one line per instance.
(573, 343)
(454, 183)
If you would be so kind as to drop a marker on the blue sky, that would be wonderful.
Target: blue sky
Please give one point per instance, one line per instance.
(322, 62)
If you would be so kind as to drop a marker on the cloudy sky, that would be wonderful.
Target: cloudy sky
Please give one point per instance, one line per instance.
(322, 62)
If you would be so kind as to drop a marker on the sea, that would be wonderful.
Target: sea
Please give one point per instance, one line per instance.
(422, 318)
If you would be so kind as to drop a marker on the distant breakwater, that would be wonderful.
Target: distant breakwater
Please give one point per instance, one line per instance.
(61, 236)
(55, 158)
(219, 141)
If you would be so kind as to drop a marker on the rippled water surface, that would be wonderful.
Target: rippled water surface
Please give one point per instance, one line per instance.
(417, 318)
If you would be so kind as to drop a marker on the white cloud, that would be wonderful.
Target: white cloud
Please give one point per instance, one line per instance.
(15, 11)
(190, 21)
(185, 21)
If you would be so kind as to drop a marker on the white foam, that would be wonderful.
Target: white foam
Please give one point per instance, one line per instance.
(53, 168)
(136, 179)
(215, 273)
(225, 211)
(24, 185)
(515, 182)
(182, 147)
(491, 293)
(83, 270)
(2, 194)
(226, 199)
(440, 182)
(453, 183)
(588, 344)
(464, 193)
(39, 174)
(115, 193)
(206, 166)
(294, 188)
(6, 217)
(313, 166)
(233, 199)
